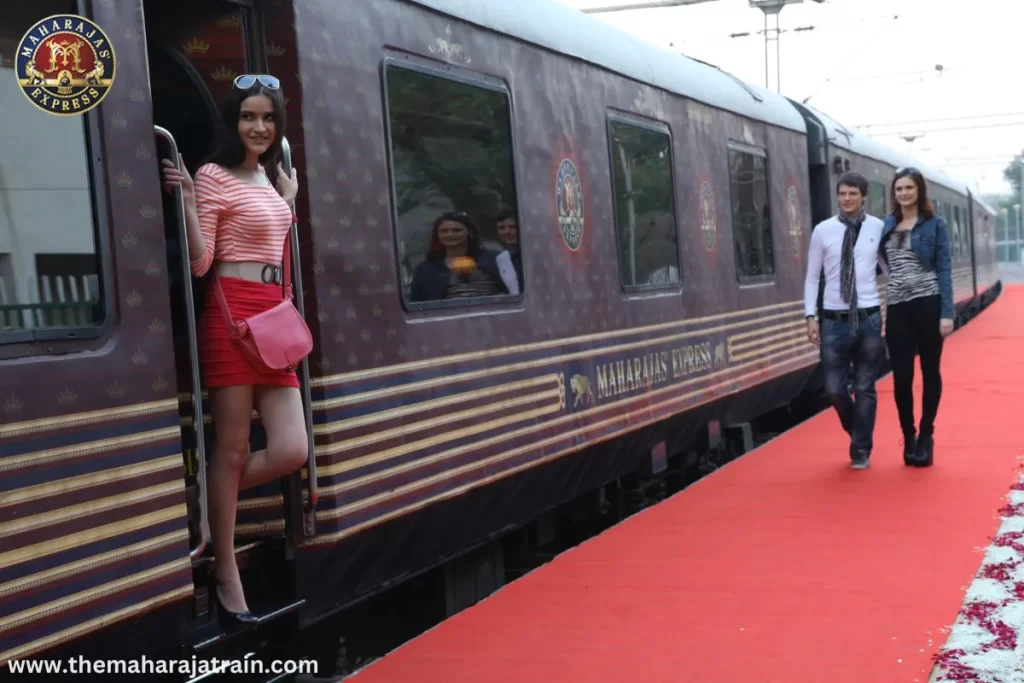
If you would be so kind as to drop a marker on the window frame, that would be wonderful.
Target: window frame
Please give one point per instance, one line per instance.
(753, 150)
(613, 116)
(430, 67)
(955, 237)
(102, 225)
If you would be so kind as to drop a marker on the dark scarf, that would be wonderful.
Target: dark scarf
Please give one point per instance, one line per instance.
(847, 273)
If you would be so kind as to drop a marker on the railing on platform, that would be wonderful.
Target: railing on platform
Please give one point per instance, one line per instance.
(52, 301)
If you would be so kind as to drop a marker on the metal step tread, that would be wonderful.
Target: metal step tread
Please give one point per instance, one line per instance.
(210, 632)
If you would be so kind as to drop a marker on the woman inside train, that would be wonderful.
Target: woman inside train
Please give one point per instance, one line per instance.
(919, 299)
(456, 265)
(238, 212)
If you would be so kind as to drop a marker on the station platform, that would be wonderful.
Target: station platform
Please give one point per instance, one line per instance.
(786, 566)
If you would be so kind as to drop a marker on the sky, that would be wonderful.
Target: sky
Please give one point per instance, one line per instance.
(872, 64)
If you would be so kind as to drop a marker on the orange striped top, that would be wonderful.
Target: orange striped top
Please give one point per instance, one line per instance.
(240, 221)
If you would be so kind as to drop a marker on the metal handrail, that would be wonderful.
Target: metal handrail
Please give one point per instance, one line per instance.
(193, 351)
(309, 505)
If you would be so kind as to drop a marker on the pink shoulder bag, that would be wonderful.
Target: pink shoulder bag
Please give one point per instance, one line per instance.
(276, 339)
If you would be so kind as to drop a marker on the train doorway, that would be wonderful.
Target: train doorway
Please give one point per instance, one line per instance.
(196, 48)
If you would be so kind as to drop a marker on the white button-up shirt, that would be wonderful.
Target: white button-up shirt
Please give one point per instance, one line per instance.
(827, 250)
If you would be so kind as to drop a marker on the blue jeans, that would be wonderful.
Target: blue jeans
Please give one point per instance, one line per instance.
(845, 350)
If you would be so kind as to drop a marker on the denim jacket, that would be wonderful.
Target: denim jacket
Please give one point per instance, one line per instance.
(929, 238)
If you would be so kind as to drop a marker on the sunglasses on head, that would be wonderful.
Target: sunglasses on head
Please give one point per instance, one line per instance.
(246, 81)
(908, 170)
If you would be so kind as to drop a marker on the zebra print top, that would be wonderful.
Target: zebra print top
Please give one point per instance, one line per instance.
(907, 279)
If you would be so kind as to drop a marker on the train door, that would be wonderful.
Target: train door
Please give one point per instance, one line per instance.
(971, 206)
(196, 48)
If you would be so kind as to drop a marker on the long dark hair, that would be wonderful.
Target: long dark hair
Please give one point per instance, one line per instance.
(924, 205)
(436, 251)
(229, 150)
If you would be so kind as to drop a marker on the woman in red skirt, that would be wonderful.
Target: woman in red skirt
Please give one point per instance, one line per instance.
(237, 225)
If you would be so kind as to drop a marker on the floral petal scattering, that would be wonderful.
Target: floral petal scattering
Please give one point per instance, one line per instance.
(986, 643)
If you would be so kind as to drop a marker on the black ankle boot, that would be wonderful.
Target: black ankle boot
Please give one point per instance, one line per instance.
(909, 448)
(924, 453)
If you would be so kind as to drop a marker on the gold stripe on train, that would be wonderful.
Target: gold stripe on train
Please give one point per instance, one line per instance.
(443, 402)
(87, 536)
(87, 564)
(95, 593)
(325, 539)
(61, 486)
(82, 450)
(259, 528)
(524, 432)
(94, 625)
(458, 416)
(344, 466)
(92, 417)
(793, 337)
(769, 334)
(60, 515)
(782, 346)
(486, 373)
(374, 373)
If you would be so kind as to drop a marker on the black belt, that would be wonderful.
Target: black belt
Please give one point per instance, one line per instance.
(845, 315)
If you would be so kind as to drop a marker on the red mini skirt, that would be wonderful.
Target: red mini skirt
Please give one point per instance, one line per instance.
(223, 364)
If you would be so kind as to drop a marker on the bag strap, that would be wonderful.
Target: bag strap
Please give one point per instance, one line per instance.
(286, 279)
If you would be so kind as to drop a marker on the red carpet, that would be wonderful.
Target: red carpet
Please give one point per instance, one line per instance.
(783, 567)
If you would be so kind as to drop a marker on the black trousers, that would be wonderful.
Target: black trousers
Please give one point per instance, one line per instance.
(912, 328)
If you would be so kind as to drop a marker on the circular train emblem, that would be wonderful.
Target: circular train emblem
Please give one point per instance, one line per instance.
(795, 220)
(569, 201)
(65, 64)
(708, 224)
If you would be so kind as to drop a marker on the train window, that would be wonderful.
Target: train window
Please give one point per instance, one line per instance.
(751, 214)
(645, 216)
(51, 280)
(876, 199)
(454, 187)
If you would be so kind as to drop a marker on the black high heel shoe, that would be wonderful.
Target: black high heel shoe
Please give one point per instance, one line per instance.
(924, 453)
(909, 449)
(229, 620)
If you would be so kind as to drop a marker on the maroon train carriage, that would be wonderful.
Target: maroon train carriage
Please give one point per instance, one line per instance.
(663, 215)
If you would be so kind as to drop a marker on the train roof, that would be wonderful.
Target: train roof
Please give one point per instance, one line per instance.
(571, 32)
(859, 143)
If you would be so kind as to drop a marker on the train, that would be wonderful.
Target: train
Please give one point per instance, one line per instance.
(663, 208)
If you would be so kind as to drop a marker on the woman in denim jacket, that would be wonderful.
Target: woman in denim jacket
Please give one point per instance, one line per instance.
(919, 300)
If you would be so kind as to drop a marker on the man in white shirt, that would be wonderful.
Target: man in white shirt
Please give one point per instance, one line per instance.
(846, 246)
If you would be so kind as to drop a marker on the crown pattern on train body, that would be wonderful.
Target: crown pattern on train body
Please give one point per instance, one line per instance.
(195, 46)
(13, 404)
(223, 73)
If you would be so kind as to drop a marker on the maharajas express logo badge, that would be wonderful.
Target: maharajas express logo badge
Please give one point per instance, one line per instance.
(65, 64)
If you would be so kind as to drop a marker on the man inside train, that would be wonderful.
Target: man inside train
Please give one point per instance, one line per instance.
(844, 248)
